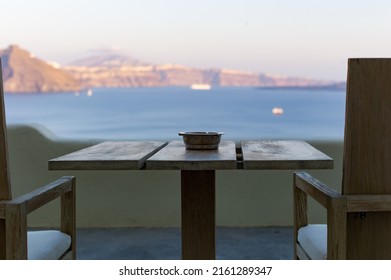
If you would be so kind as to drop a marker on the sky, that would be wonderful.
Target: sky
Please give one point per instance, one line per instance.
(300, 38)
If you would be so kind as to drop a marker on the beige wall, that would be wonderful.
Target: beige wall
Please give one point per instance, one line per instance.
(152, 198)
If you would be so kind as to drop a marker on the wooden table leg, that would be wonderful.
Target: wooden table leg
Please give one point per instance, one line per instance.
(198, 214)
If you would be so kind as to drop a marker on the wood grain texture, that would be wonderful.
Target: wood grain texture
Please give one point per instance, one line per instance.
(300, 218)
(368, 203)
(175, 156)
(68, 217)
(43, 195)
(314, 188)
(198, 214)
(3, 238)
(16, 232)
(336, 228)
(367, 158)
(130, 155)
(367, 154)
(5, 185)
(283, 154)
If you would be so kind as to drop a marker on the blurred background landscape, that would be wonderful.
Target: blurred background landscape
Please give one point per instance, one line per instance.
(24, 72)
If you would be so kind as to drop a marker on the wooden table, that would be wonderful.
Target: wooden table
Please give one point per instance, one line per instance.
(197, 174)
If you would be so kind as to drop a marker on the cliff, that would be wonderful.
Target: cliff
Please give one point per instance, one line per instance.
(179, 75)
(23, 72)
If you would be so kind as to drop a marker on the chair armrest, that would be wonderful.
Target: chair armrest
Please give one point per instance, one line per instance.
(315, 188)
(337, 206)
(333, 201)
(354, 203)
(15, 211)
(304, 185)
(41, 196)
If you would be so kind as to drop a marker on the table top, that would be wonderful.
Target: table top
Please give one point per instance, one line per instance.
(175, 156)
(283, 154)
(154, 155)
(108, 156)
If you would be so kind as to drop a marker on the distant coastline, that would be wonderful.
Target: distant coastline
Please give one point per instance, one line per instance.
(25, 73)
(339, 86)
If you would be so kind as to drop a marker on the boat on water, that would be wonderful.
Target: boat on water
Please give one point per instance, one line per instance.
(90, 92)
(200, 87)
(277, 111)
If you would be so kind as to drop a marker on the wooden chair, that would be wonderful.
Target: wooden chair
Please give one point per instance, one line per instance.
(358, 218)
(15, 241)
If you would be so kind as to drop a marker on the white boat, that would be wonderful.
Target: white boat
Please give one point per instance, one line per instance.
(277, 111)
(200, 87)
(90, 92)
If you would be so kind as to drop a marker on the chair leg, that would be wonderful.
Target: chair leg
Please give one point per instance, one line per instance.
(300, 218)
(68, 214)
(336, 229)
(16, 232)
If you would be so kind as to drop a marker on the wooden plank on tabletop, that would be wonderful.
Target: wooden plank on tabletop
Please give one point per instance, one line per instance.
(283, 154)
(128, 155)
(176, 156)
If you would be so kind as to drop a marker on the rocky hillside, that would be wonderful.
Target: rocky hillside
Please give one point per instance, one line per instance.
(144, 75)
(23, 72)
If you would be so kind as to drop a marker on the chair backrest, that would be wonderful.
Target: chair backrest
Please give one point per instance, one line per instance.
(367, 154)
(5, 186)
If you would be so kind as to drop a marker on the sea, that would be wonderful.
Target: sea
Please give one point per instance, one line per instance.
(242, 113)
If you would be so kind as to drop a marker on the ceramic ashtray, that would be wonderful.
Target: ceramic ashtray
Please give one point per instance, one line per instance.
(198, 140)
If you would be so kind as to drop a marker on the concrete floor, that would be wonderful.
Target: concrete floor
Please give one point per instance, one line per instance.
(270, 243)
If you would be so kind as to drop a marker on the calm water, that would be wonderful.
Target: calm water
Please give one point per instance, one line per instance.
(159, 113)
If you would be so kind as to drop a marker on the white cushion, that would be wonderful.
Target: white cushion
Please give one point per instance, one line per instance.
(47, 244)
(313, 239)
